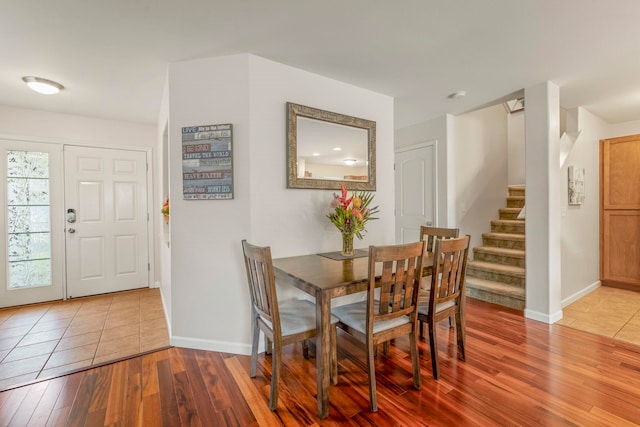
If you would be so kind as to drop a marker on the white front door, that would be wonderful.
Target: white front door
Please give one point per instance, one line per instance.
(415, 182)
(106, 220)
(31, 224)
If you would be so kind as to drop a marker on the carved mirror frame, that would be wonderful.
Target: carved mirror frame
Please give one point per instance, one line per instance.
(293, 181)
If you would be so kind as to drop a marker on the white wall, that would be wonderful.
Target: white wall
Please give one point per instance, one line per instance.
(622, 129)
(162, 190)
(432, 130)
(69, 129)
(580, 224)
(210, 302)
(515, 130)
(472, 164)
(478, 146)
(543, 200)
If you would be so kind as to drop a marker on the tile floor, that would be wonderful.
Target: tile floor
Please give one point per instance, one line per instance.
(48, 339)
(611, 312)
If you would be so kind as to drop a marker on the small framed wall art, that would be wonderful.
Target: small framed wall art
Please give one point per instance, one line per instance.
(207, 162)
(576, 185)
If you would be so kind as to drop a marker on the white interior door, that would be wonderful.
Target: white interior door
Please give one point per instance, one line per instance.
(415, 189)
(31, 224)
(106, 200)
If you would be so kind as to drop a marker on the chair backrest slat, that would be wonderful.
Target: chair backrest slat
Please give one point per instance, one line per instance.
(398, 282)
(261, 281)
(431, 234)
(449, 269)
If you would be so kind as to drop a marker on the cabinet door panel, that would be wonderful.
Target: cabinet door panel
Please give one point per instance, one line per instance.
(620, 212)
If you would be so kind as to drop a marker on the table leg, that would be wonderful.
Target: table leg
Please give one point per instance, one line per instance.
(323, 351)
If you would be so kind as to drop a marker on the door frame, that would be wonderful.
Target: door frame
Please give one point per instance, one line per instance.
(424, 144)
(151, 221)
(56, 289)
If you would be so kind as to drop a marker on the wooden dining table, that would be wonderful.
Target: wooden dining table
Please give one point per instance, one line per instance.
(325, 278)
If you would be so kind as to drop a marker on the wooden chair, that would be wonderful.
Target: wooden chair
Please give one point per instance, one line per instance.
(447, 293)
(393, 312)
(431, 234)
(282, 323)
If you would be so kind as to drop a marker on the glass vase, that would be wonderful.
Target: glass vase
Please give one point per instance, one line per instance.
(347, 244)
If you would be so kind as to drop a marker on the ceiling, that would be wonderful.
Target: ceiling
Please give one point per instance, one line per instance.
(112, 56)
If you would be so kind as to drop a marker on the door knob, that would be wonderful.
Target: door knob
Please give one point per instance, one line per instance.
(72, 230)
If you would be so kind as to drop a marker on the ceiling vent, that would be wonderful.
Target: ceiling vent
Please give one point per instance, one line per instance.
(514, 105)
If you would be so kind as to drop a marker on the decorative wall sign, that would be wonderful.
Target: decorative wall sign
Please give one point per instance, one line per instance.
(576, 185)
(207, 162)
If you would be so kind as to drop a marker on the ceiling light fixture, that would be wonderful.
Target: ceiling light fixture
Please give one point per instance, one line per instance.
(349, 162)
(337, 149)
(44, 86)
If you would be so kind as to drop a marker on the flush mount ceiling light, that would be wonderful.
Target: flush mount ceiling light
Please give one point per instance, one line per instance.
(44, 86)
(349, 162)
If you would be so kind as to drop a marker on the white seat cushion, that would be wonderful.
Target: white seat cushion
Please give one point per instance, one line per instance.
(355, 315)
(298, 316)
(424, 308)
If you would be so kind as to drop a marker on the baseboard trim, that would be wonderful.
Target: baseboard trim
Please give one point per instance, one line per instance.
(167, 318)
(211, 345)
(543, 317)
(573, 298)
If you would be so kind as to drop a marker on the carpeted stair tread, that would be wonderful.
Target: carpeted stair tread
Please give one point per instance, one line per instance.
(508, 221)
(505, 236)
(497, 268)
(495, 287)
(501, 251)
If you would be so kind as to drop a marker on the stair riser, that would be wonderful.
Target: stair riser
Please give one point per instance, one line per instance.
(499, 259)
(505, 214)
(503, 300)
(516, 191)
(508, 228)
(515, 202)
(503, 243)
(496, 277)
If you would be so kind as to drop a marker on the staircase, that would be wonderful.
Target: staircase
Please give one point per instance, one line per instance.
(497, 272)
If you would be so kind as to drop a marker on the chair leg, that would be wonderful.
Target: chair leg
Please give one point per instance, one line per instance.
(434, 349)
(275, 376)
(421, 323)
(385, 347)
(267, 345)
(305, 348)
(371, 365)
(334, 355)
(415, 359)
(460, 334)
(254, 350)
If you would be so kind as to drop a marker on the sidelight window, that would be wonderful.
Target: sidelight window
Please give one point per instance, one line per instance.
(28, 219)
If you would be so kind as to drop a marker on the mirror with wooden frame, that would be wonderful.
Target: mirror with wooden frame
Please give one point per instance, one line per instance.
(326, 150)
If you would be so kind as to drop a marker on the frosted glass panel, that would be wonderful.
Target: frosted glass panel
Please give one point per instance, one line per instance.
(28, 219)
(30, 274)
(22, 191)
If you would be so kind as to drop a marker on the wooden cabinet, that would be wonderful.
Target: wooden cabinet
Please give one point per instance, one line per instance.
(620, 212)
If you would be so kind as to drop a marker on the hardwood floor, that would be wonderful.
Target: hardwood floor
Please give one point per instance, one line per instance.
(518, 372)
